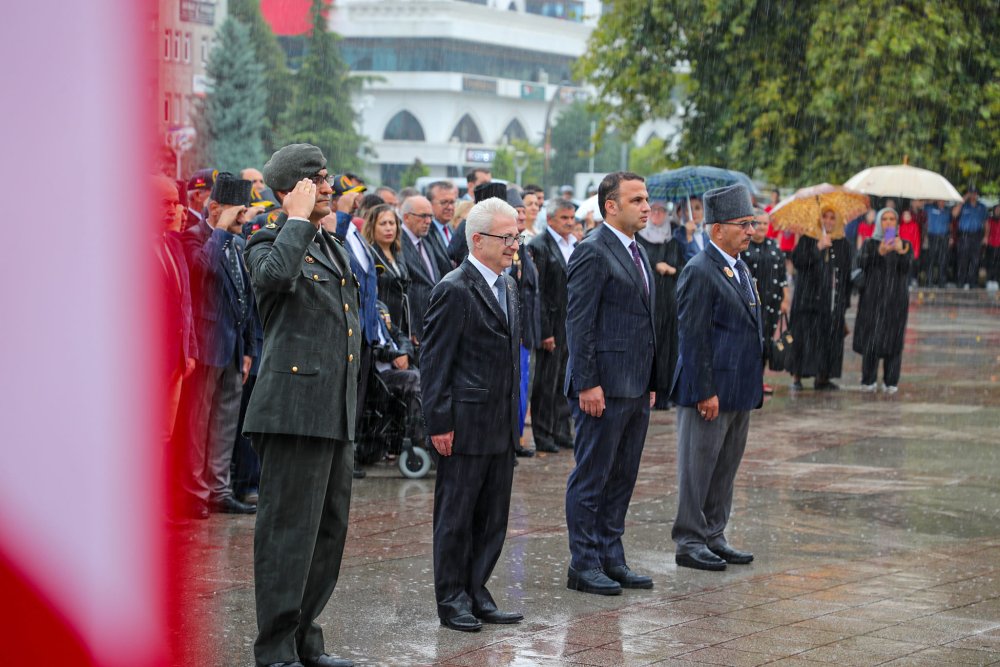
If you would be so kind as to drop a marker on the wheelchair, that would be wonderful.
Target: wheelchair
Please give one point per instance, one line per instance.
(383, 431)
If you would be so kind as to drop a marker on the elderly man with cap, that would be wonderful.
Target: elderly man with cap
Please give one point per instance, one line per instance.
(199, 187)
(717, 381)
(301, 415)
(223, 304)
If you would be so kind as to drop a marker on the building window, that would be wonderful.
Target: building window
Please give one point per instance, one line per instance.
(514, 130)
(467, 132)
(177, 46)
(166, 108)
(166, 44)
(177, 108)
(204, 50)
(403, 127)
(187, 47)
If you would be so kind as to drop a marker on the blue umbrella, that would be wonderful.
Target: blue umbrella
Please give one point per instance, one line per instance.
(693, 182)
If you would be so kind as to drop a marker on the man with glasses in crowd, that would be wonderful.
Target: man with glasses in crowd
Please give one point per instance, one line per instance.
(420, 262)
(442, 195)
(717, 380)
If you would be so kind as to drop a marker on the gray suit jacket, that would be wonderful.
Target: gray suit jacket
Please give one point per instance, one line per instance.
(308, 379)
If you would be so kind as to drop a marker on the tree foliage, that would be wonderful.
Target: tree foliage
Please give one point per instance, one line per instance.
(277, 80)
(321, 113)
(418, 169)
(571, 138)
(803, 92)
(652, 158)
(505, 163)
(229, 120)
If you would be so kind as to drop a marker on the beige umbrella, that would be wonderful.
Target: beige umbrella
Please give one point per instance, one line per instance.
(800, 213)
(902, 180)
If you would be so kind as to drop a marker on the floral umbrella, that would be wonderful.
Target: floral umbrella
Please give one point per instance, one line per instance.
(800, 213)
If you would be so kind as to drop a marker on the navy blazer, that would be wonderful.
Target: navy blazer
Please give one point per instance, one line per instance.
(367, 281)
(609, 319)
(721, 352)
(223, 323)
(421, 284)
(551, 287)
(470, 364)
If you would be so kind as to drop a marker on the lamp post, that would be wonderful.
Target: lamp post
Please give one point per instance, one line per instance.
(548, 131)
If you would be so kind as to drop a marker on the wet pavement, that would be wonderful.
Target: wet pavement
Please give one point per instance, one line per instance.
(875, 521)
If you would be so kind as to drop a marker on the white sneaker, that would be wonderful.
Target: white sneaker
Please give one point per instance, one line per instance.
(868, 388)
(890, 389)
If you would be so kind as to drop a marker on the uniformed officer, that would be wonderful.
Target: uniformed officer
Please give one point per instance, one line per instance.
(302, 411)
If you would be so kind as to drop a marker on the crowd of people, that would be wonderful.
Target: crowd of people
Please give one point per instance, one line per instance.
(288, 284)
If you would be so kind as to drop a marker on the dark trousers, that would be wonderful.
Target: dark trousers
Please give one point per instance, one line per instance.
(607, 452)
(246, 464)
(968, 258)
(993, 263)
(550, 414)
(936, 259)
(364, 372)
(471, 505)
(305, 497)
(708, 455)
(891, 367)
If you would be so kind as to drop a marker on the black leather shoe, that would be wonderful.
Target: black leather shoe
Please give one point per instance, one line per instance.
(294, 663)
(326, 660)
(498, 617)
(627, 578)
(826, 386)
(196, 511)
(592, 581)
(731, 555)
(359, 473)
(523, 453)
(700, 559)
(565, 444)
(463, 623)
(230, 505)
(545, 446)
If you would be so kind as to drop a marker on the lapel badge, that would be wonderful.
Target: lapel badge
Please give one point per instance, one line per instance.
(728, 271)
(309, 259)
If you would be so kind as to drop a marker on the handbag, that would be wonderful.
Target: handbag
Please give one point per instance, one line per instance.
(779, 348)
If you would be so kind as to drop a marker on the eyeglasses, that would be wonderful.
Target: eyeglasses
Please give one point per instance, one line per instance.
(508, 240)
(745, 225)
(422, 216)
(445, 202)
(320, 180)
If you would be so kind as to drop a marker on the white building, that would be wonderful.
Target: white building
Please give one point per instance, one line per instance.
(459, 78)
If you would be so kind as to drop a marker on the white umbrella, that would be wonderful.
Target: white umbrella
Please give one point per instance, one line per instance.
(589, 205)
(902, 180)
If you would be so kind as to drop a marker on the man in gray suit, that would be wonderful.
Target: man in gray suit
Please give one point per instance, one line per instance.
(717, 380)
(301, 414)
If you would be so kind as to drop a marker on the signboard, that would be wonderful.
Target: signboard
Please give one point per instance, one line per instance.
(201, 85)
(198, 11)
(532, 91)
(480, 155)
(473, 85)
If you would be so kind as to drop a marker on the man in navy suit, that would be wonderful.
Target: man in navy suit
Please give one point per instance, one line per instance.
(223, 303)
(717, 381)
(470, 379)
(420, 261)
(609, 380)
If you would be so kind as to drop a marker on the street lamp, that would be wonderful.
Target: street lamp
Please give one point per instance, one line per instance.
(548, 131)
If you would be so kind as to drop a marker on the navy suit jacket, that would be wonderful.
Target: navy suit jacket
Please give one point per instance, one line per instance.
(721, 352)
(421, 284)
(223, 324)
(470, 364)
(367, 281)
(609, 319)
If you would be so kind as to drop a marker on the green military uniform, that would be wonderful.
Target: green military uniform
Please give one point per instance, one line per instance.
(301, 421)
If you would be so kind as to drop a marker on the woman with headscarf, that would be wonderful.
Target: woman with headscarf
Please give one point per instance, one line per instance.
(819, 301)
(666, 256)
(884, 304)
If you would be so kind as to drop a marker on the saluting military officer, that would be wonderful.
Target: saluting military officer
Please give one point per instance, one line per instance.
(301, 414)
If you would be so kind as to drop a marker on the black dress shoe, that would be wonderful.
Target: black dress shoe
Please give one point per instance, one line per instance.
(731, 555)
(230, 505)
(326, 660)
(592, 581)
(463, 623)
(523, 453)
(359, 473)
(826, 386)
(498, 617)
(545, 446)
(627, 578)
(196, 511)
(565, 444)
(700, 559)
(293, 663)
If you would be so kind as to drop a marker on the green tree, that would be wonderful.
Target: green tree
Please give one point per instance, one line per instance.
(418, 169)
(571, 138)
(230, 118)
(651, 158)
(321, 113)
(530, 156)
(811, 91)
(277, 79)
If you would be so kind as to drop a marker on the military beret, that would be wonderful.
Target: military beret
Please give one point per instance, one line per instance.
(291, 164)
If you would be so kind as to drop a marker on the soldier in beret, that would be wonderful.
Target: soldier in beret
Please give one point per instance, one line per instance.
(302, 412)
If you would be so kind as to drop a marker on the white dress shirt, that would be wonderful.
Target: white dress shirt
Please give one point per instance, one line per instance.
(488, 275)
(730, 260)
(565, 245)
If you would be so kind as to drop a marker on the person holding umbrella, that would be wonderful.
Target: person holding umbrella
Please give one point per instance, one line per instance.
(819, 302)
(880, 325)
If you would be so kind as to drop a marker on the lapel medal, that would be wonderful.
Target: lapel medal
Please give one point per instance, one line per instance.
(729, 272)
(309, 259)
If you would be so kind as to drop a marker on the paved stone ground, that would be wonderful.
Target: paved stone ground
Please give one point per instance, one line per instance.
(875, 521)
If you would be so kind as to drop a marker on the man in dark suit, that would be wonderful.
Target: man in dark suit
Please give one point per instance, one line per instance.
(420, 261)
(442, 196)
(550, 414)
(223, 308)
(302, 411)
(609, 379)
(717, 380)
(469, 381)
(199, 187)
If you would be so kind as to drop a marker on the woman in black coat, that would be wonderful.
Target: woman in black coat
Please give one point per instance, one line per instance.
(382, 231)
(666, 256)
(766, 262)
(884, 304)
(819, 302)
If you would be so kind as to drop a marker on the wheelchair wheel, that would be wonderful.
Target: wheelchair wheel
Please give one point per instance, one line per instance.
(414, 462)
